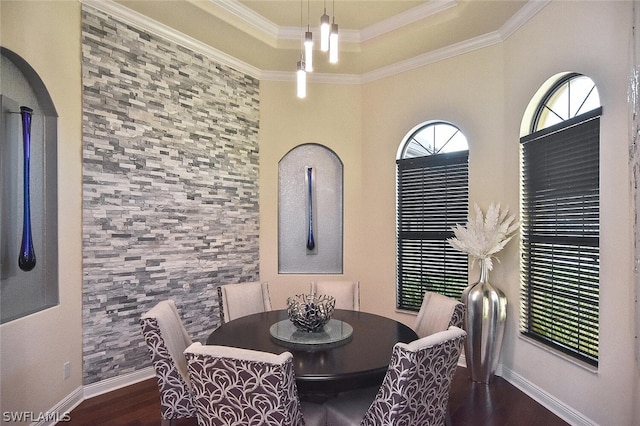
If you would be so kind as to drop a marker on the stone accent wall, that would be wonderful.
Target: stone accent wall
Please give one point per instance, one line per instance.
(170, 187)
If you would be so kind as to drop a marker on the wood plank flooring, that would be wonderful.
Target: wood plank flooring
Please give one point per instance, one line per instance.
(470, 404)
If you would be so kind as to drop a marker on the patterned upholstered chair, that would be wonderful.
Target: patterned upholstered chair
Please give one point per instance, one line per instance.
(415, 390)
(438, 313)
(346, 293)
(167, 339)
(233, 386)
(239, 300)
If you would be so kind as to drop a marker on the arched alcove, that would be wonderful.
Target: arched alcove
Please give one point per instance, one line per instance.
(23, 292)
(310, 199)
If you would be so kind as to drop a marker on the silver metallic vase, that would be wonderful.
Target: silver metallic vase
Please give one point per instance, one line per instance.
(484, 322)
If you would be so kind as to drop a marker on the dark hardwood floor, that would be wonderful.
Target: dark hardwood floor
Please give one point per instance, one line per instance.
(470, 404)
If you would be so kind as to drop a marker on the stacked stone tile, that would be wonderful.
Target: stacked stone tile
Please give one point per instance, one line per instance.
(170, 187)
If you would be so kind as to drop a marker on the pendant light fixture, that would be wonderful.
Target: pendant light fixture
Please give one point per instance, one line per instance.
(333, 38)
(333, 44)
(301, 78)
(328, 43)
(308, 45)
(325, 29)
(301, 73)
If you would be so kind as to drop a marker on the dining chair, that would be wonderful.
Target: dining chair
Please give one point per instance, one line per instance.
(414, 391)
(166, 339)
(233, 386)
(437, 313)
(239, 300)
(346, 293)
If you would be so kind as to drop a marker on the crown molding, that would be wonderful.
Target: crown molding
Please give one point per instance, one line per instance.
(405, 18)
(522, 16)
(434, 56)
(528, 11)
(145, 23)
(328, 78)
(271, 30)
(251, 17)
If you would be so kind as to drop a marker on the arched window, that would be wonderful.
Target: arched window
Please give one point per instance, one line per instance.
(560, 218)
(432, 197)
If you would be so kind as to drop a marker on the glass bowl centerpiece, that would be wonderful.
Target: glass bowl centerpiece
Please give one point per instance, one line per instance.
(310, 312)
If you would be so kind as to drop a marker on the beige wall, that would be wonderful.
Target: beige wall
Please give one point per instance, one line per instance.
(599, 47)
(330, 115)
(34, 348)
(485, 93)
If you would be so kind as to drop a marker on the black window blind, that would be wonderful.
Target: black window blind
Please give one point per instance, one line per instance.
(432, 198)
(560, 236)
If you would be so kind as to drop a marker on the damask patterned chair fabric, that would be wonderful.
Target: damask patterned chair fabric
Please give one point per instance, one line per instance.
(233, 386)
(415, 390)
(346, 293)
(239, 300)
(166, 338)
(438, 313)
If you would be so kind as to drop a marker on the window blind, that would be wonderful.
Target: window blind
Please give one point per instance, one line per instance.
(432, 198)
(560, 236)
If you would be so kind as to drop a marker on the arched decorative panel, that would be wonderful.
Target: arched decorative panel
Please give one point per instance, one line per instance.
(27, 286)
(310, 211)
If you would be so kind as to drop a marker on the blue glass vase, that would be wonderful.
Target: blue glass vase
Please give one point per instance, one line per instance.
(311, 244)
(27, 258)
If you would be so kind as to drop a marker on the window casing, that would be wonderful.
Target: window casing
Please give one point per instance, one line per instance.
(432, 197)
(560, 231)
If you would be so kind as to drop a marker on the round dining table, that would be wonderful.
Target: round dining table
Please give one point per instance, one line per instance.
(358, 361)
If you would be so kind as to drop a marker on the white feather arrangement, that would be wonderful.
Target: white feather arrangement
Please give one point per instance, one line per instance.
(484, 236)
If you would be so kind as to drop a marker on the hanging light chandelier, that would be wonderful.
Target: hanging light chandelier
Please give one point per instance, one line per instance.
(328, 43)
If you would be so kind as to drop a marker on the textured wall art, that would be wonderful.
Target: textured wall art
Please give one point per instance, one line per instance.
(170, 190)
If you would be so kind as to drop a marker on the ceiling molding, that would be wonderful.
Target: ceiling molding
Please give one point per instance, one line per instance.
(521, 17)
(294, 33)
(249, 16)
(406, 18)
(528, 11)
(145, 23)
(272, 30)
(328, 78)
(434, 56)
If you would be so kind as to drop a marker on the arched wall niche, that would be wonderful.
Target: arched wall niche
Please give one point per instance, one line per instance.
(310, 211)
(26, 292)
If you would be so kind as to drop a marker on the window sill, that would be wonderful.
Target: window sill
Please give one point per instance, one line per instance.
(588, 367)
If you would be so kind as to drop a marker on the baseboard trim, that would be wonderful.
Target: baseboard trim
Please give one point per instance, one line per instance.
(60, 410)
(115, 383)
(547, 400)
(83, 393)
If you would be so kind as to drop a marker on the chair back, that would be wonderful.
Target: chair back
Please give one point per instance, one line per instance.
(415, 390)
(166, 339)
(346, 293)
(438, 313)
(233, 386)
(239, 300)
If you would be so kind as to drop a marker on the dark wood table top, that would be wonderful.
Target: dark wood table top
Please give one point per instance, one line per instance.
(360, 362)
